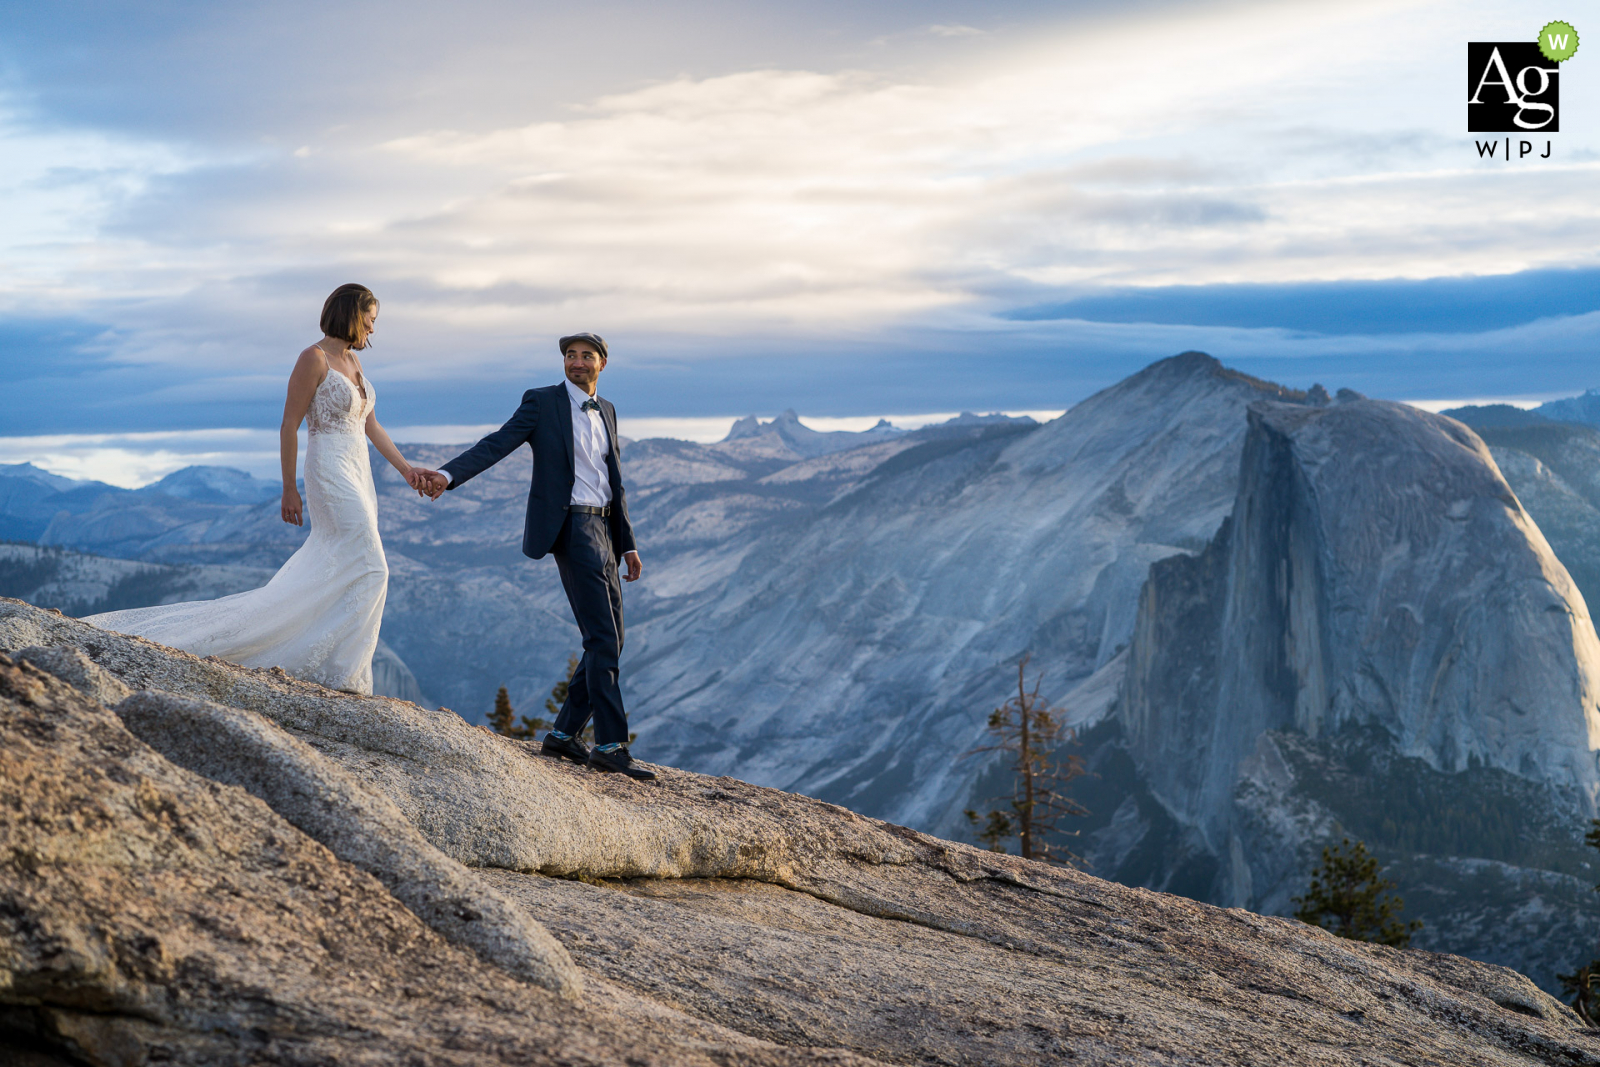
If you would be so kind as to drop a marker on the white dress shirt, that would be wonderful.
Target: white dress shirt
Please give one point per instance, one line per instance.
(590, 447)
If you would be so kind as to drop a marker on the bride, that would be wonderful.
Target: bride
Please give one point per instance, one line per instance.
(318, 617)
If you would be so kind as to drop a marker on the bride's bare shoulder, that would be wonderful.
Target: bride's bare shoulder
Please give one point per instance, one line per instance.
(312, 364)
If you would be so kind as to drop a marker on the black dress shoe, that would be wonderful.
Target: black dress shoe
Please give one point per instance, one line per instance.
(621, 762)
(571, 749)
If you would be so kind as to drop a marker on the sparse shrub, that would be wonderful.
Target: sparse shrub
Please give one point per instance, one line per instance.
(1348, 898)
(502, 720)
(1030, 730)
(500, 717)
(1580, 984)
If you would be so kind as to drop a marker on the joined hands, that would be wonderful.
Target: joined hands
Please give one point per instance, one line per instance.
(431, 484)
(428, 483)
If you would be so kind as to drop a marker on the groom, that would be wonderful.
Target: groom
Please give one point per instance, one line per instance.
(577, 513)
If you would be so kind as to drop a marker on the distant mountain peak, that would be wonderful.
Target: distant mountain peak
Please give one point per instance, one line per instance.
(214, 485)
(1191, 361)
(994, 418)
(1584, 408)
(749, 426)
(39, 476)
(802, 439)
(1198, 365)
(1485, 416)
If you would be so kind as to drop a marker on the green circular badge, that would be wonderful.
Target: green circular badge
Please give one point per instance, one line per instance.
(1558, 41)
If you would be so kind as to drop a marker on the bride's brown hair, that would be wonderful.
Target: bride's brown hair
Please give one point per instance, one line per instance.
(343, 310)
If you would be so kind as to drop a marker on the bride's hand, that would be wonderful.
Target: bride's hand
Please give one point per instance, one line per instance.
(428, 483)
(291, 506)
(417, 478)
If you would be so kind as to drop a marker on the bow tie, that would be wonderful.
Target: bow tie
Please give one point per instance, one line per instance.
(590, 405)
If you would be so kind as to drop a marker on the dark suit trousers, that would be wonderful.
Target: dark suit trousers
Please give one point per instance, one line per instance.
(589, 575)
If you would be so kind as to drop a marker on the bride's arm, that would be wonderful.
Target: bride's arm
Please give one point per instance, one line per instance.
(308, 373)
(380, 440)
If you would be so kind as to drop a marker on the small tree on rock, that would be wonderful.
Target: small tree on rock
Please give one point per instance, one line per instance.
(1348, 898)
(502, 718)
(1029, 730)
(1583, 984)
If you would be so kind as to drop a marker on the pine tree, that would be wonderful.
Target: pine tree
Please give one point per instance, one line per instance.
(1347, 897)
(1029, 730)
(1583, 984)
(500, 720)
(1580, 985)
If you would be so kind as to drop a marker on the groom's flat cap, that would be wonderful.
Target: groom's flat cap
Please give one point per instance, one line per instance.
(592, 338)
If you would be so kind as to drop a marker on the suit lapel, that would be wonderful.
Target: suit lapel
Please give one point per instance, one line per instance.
(564, 420)
(608, 415)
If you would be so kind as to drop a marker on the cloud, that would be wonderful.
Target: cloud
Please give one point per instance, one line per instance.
(790, 216)
(1391, 306)
(56, 185)
(136, 459)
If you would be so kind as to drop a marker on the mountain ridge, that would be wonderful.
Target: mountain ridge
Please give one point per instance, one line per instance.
(841, 624)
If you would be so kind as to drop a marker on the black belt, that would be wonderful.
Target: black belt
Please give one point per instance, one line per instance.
(590, 509)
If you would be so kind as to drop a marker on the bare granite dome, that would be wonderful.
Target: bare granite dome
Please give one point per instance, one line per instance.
(882, 623)
(205, 864)
(1376, 573)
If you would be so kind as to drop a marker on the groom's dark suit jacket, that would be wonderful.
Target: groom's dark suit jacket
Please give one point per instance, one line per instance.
(544, 423)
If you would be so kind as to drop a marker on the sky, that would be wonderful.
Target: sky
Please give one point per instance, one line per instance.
(855, 210)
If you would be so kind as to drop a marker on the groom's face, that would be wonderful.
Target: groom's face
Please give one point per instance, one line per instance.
(583, 365)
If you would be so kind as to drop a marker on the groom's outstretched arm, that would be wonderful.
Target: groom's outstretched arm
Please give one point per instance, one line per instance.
(497, 446)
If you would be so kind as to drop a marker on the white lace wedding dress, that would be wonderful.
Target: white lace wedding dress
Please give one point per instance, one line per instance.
(318, 617)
